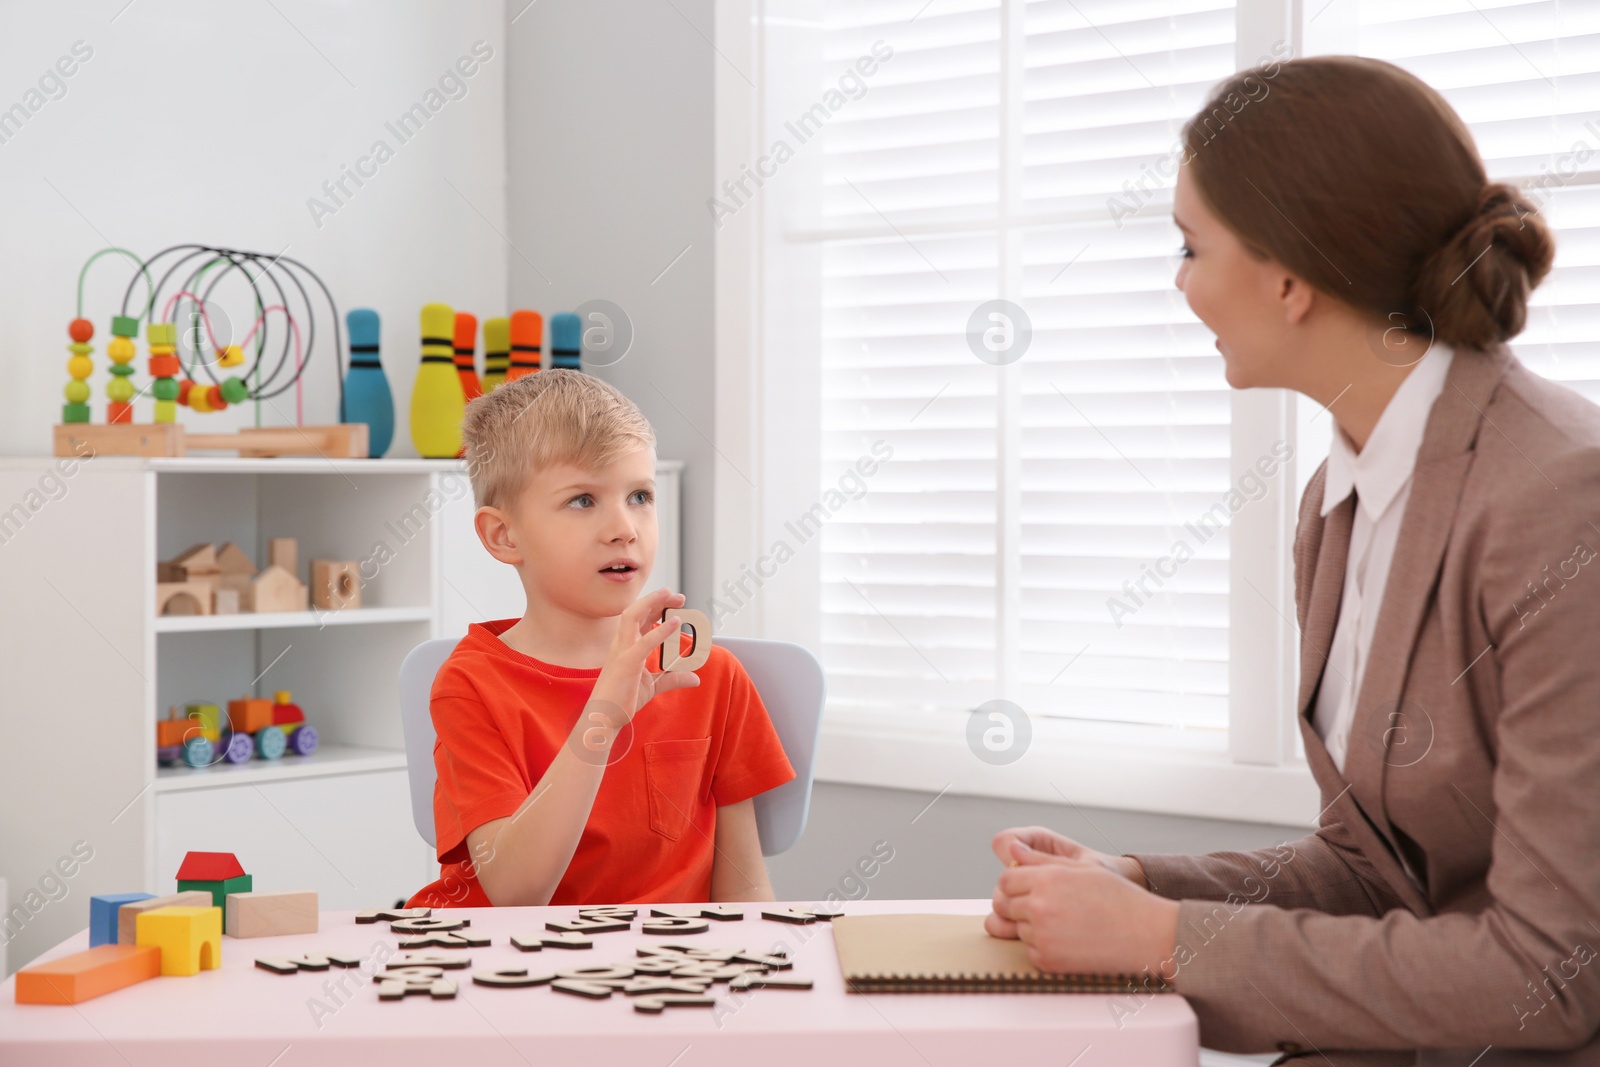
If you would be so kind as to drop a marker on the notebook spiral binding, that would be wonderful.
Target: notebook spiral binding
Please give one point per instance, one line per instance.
(990, 983)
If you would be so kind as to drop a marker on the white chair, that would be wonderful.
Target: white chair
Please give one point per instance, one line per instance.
(787, 676)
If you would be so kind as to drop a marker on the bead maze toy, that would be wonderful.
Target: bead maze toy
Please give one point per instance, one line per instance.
(195, 383)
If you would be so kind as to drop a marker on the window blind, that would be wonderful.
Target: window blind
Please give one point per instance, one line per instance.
(1526, 79)
(1022, 504)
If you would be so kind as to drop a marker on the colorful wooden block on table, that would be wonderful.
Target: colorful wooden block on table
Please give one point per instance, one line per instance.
(84, 975)
(270, 913)
(103, 915)
(190, 939)
(217, 873)
(128, 914)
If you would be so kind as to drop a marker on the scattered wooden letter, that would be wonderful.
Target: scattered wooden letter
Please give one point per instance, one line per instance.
(510, 977)
(674, 925)
(388, 915)
(397, 985)
(446, 939)
(655, 1005)
(427, 925)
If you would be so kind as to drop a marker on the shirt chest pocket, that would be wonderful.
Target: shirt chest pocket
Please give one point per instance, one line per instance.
(673, 771)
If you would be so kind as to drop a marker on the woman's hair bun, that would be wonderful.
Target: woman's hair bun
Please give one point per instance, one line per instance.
(1475, 288)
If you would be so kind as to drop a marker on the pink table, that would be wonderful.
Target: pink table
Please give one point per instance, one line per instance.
(240, 1014)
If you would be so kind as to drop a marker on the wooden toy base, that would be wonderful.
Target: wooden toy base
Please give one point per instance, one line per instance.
(344, 440)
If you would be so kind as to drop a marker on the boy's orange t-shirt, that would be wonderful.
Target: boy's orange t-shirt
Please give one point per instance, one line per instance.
(501, 717)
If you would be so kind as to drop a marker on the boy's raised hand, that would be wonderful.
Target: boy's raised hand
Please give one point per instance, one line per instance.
(626, 679)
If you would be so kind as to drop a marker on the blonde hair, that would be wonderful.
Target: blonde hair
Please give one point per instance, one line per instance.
(541, 419)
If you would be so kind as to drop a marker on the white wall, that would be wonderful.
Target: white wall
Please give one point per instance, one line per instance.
(216, 123)
(193, 121)
(610, 154)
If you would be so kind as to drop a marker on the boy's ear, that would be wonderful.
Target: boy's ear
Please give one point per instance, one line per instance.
(495, 533)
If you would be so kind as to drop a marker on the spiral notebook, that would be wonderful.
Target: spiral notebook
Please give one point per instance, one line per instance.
(954, 954)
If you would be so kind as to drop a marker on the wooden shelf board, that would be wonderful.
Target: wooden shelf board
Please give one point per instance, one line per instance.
(329, 759)
(278, 620)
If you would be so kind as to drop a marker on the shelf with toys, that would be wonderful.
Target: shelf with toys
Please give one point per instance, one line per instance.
(119, 533)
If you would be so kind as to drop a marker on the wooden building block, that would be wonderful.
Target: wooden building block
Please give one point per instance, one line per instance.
(190, 939)
(274, 589)
(270, 913)
(335, 584)
(85, 975)
(103, 915)
(249, 714)
(232, 562)
(128, 914)
(183, 598)
(217, 873)
(284, 552)
(224, 601)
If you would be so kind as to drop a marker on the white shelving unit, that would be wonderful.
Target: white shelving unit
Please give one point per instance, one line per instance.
(88, 666)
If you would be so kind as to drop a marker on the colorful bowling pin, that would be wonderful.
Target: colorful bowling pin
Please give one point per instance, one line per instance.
(566, 340)
(496, 352)
(366, 388)
(466, 348)
(527, 335)
(437, 401)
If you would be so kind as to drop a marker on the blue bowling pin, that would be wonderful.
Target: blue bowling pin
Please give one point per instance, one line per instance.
(366, 389)
(566, 340)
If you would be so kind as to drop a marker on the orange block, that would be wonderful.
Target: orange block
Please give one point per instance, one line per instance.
(249, 714)
(86, 975)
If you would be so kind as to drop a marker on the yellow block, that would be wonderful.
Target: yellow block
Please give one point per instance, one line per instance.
(190, 939)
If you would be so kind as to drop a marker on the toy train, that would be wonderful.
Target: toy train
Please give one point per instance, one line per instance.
(257, 728)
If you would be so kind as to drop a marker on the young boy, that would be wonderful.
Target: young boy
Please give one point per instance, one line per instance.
(571, 771)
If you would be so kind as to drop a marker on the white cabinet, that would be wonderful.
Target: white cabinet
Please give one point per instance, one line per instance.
(86, 666)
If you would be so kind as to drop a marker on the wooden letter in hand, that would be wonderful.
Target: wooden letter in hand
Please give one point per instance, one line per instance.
(699, 652)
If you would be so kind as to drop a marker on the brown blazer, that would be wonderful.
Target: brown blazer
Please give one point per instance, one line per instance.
(1475, 754)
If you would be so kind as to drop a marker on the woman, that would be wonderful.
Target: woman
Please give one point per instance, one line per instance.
(1341, 240)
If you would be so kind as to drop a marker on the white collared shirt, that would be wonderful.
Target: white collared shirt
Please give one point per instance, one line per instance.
(1380, 475)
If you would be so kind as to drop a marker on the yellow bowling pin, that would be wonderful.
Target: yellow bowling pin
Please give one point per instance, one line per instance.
(496, 352)
(437, 400)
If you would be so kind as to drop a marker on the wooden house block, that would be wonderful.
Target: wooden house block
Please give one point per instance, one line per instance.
(335, 584)
(217, 873)
(196, 563)
(270, 913)
(103, 915)
(284, 552)
(190, 939)
(274, 589)
(183, 598)
(86, 975)
(249, 714)
(224, 601)
(128, 914)
(235, 567)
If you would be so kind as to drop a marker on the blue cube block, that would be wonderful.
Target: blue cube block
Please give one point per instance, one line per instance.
(103, 916)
